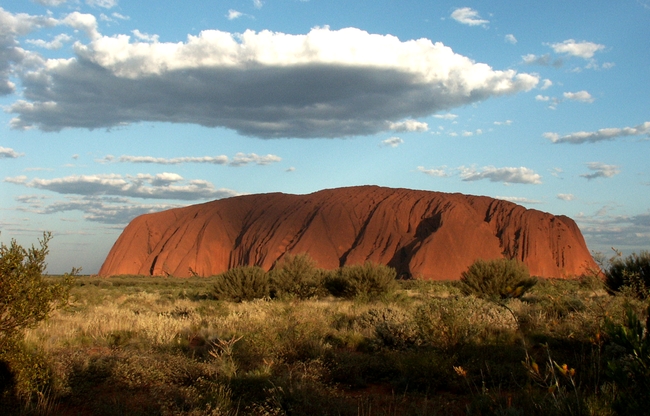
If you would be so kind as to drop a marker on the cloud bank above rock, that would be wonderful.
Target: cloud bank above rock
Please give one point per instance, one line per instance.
(326, 83)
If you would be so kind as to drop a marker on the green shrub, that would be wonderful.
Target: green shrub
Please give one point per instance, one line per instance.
(26, 298)
(367, 280)
(241, 283)
(631, 273)
(500, 279)
(296, 275)
(629, 363)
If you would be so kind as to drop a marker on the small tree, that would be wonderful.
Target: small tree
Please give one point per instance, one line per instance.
(25, 297)
(500, 278)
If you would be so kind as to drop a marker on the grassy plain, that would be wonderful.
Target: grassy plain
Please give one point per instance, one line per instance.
(163, 346)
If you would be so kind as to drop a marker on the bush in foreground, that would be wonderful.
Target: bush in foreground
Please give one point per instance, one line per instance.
(241, 283)
(371, 280)
(631, 272)
(25, 300)
(296, 275)
(500, 278)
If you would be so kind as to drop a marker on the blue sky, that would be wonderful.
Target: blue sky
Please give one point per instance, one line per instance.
(113, 109)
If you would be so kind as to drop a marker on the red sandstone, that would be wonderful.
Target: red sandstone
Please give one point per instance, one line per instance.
(428, 235)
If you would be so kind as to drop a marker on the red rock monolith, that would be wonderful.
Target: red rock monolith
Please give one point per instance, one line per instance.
(422, 234)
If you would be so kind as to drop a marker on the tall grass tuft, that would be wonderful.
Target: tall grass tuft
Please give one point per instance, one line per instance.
(496, 279)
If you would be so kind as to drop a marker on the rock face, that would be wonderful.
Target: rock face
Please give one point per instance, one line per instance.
(428, 235)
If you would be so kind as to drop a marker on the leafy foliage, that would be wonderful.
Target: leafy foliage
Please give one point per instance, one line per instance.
(371, 280)
(631, 273)
(25, 298)
(241, 283)
(630, 366)
(296, 275)
(500, 278)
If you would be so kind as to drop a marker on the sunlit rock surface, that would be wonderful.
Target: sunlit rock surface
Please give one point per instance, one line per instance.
(423, 234)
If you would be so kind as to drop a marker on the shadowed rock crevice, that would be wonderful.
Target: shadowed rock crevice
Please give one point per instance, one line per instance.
(422, 234)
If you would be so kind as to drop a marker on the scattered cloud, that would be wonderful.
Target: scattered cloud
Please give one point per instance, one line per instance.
(510, 38)
(542, 98)
(54, 44)
(600, 170)
(546, 84)
(9, 153)
(468, 16)
(503, 123)
(447, 116)
(392, 142)
(234, 14)
(146, 186)
(106, 4)
(543, 60)
(519, 199)
(440, 172)
(219, 79)
(240, 159)
(606, 230)
(258, 4)
(408, 125)
(582, 96)
(566, 197)
(506, 175)
(585, 50)
(145, 37)
(600, 135)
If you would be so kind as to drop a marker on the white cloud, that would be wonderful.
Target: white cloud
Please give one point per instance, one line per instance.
(448, 116)
(54, 44)
(9, 153)
(566, 197)
(234, 14)
(106, 4)
(440, 172)
(599, 135)
(392, 142)
(146, 186)
(120, 16)
(468, 16)
(519, 199)
(544, 60)
(503, 123)
(600, 170)
(11, 54)
(582, 96)
(258, 4)
(546, 84)
(87, 23)
(542, 98)
(50, 3)
(408, 125)
(584, 50)
(510, 38)
(242, 159)
(145, 36)
(506, 175)
(323, 84)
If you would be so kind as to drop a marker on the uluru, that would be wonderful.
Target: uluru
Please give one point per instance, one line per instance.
(422, 234)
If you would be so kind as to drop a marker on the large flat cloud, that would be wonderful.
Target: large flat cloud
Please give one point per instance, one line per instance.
(323, 84)
(146, 186)
(599, 135)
